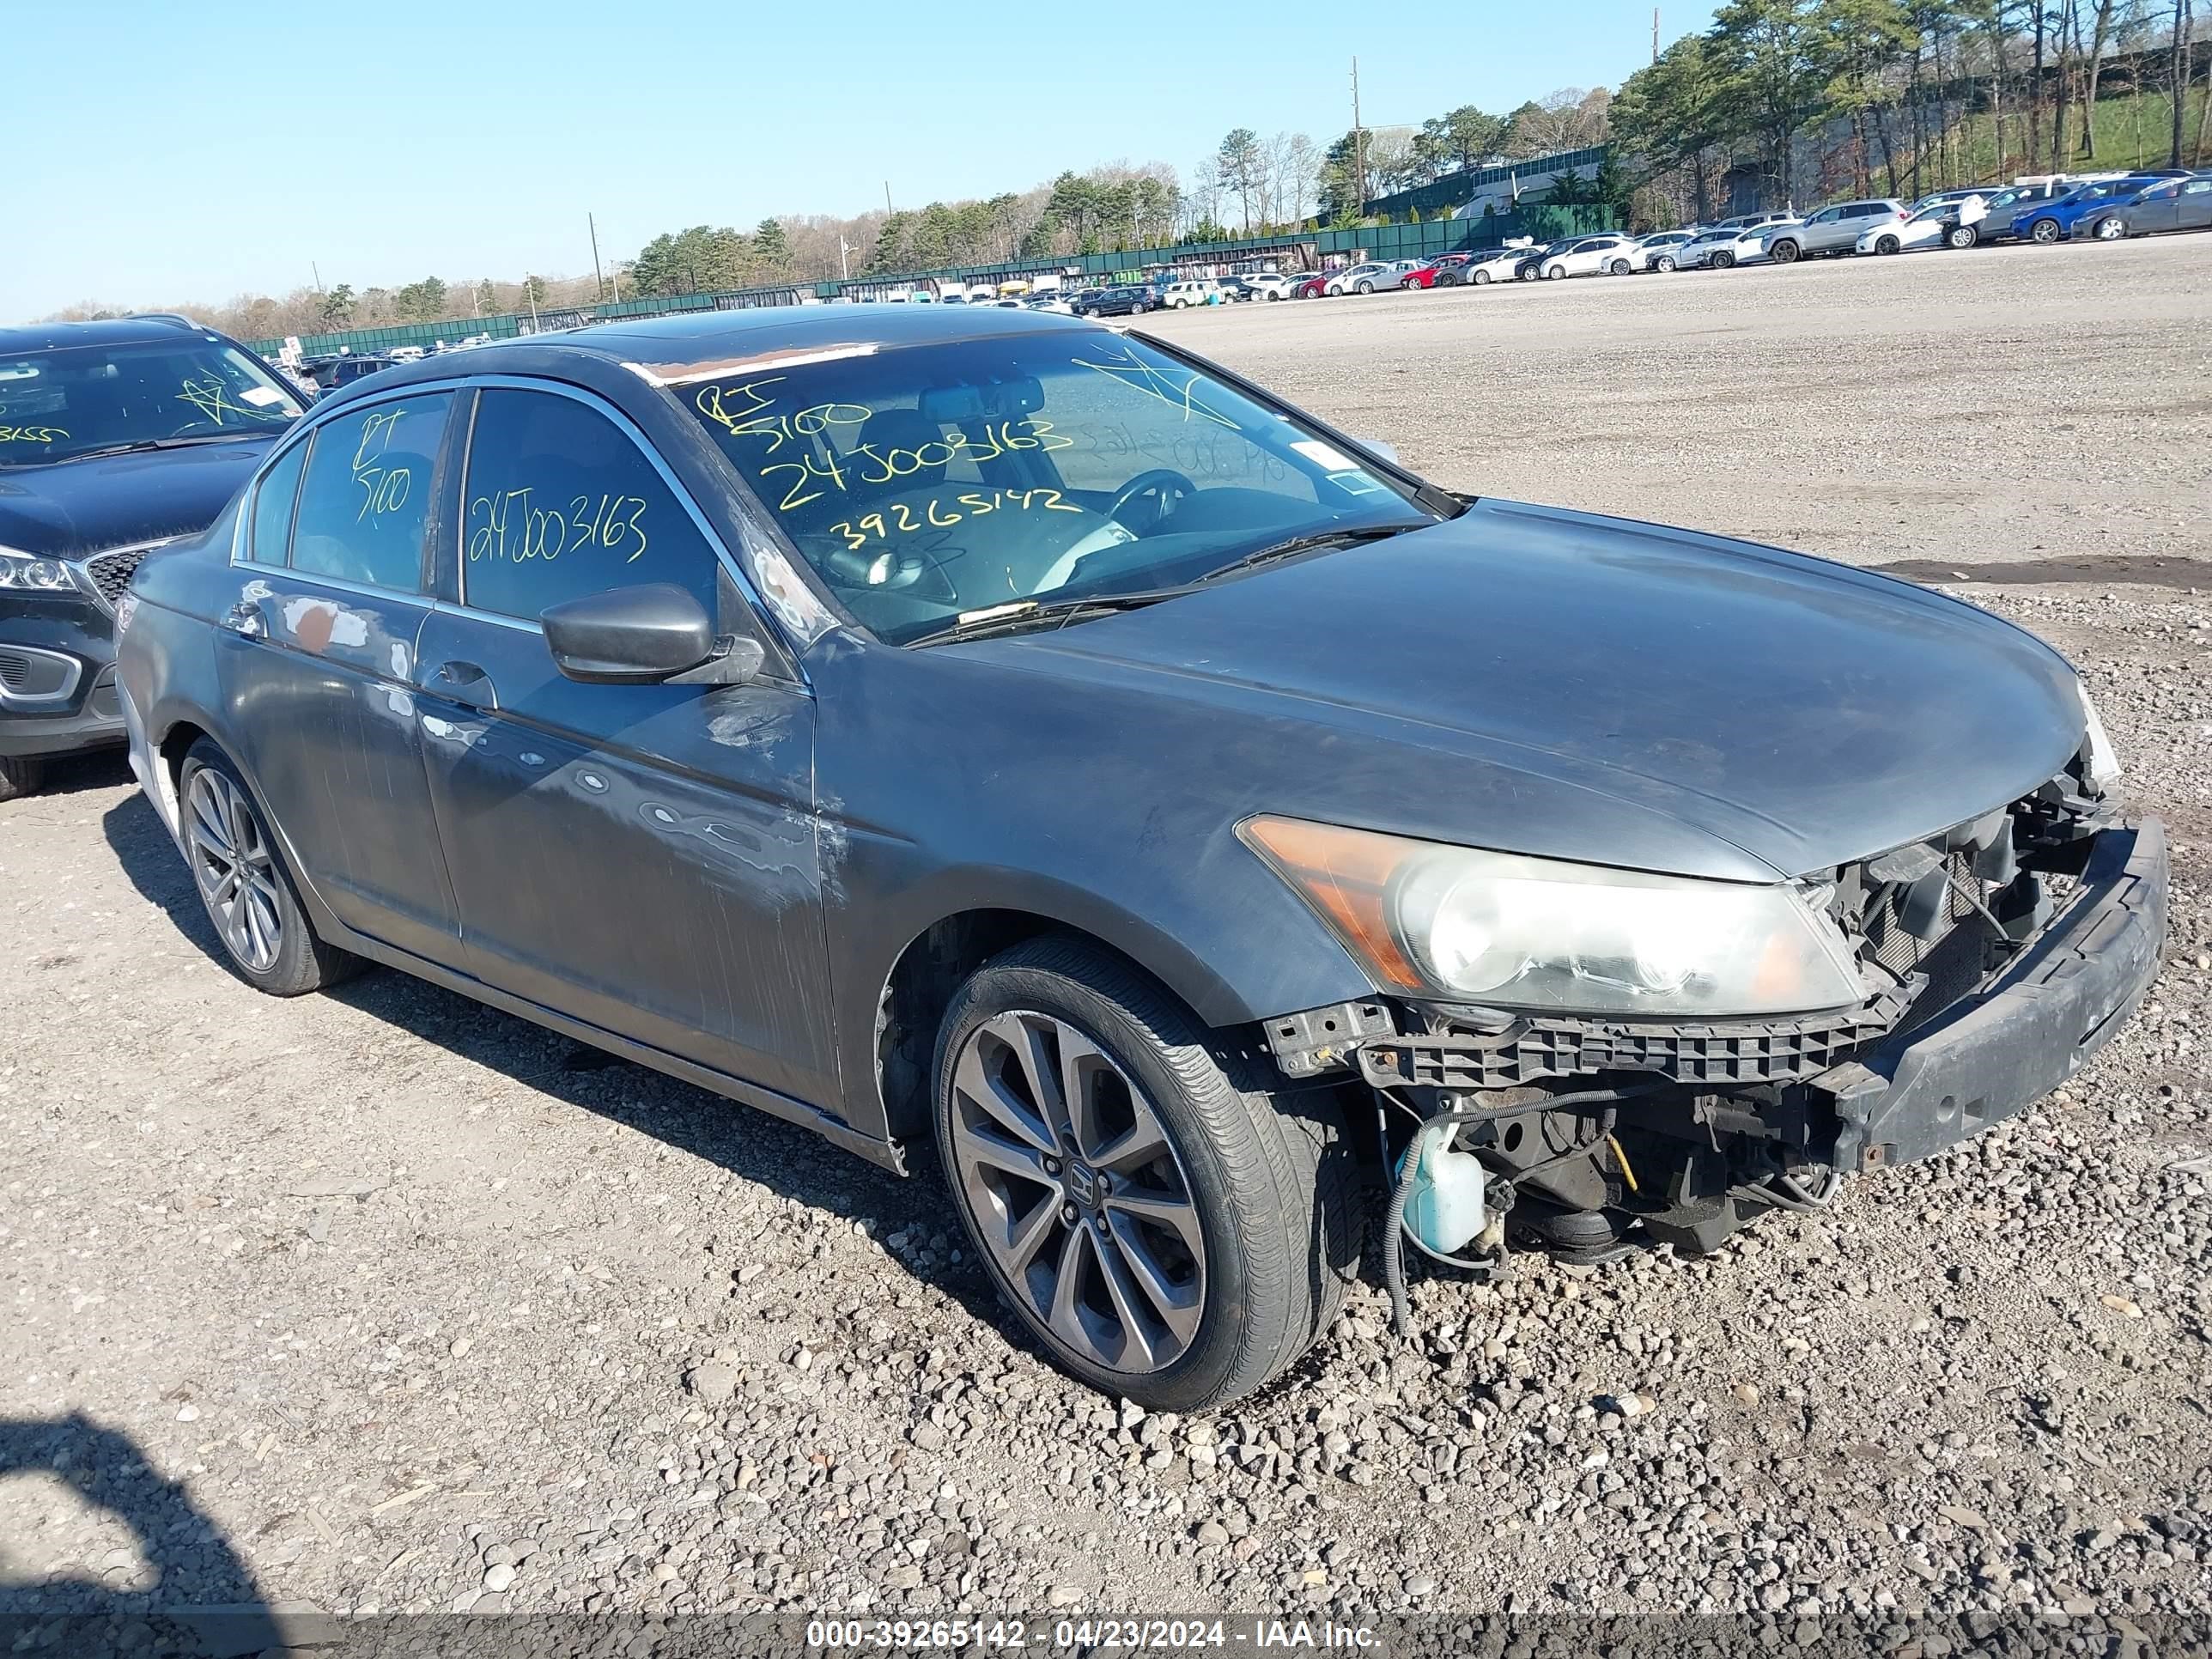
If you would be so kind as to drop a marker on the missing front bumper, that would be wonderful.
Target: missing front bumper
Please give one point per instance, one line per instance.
(1990, 1054)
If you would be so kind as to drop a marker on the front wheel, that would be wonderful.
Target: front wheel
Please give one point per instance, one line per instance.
(1887, 245)
(1961, 236)
(1482, 279)
(2044, 231)
(1165, 1233)
(1664, 262)
(1784, 253)
(2110, 229)
(1721, 261)
(1618, 268)
(20, 774)
(1365, 287)
(242, 882)
(1555, 274)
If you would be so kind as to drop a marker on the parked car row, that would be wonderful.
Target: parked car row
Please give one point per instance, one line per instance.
(2042, 211)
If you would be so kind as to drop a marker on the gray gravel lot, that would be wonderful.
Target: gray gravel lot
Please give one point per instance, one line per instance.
(383, 1301)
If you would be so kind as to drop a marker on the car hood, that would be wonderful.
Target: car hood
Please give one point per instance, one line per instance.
(1551, 682)
(70, 508)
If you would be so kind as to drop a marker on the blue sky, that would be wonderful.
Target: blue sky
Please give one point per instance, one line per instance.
(163, 153)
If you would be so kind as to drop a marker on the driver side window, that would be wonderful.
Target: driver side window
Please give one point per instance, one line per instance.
(559, 502)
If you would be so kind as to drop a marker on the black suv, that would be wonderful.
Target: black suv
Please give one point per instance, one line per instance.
(115, 437)
(1118, 302)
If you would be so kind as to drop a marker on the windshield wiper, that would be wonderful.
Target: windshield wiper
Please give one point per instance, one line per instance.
(1023, 615)
(1310, 542)
(136, 445)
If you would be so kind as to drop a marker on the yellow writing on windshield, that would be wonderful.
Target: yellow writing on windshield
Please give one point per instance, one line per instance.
(209, 395)
(899, 519)
(1176, 387)
(31, 435)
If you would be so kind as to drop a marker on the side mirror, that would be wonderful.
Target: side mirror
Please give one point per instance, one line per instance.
(1388, 452)
(650, 634)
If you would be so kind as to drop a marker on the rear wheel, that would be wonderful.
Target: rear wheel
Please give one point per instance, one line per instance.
(2044, 231)
(1166, 1233)
(20, 774)
(244, 885)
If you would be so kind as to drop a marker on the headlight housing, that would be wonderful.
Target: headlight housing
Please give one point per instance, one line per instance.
(2100, 767)
(1508, 931)
(20, 571)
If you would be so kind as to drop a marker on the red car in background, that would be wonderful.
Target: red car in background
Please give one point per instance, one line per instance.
(1427, 275)
(1311, 288)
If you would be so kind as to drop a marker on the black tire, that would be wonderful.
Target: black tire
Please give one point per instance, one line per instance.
(1784, 252)
(21, 776)
(1272, 1181)
(2044, 231)
(1364, 286)
(1887, 244)
(1961, 236)
(1618, 268)
(1721, 261)
(300, 962)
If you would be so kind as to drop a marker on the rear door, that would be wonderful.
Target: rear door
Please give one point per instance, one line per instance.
(641, 857)
(316, 663)
(2194, 210)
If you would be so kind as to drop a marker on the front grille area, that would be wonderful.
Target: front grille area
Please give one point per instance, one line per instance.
(111, 572)
(1905, 954)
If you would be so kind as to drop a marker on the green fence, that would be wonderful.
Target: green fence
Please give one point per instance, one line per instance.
(1300, 249)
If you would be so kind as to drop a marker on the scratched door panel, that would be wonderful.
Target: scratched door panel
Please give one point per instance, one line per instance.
(317, 666)
(641, 857)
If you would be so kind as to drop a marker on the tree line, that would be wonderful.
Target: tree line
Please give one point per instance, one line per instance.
(1906, 96)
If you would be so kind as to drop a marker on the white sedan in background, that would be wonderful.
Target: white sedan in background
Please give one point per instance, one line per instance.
(1935, 225)
(1593, 256)
(1372, 276)
(1732, 242)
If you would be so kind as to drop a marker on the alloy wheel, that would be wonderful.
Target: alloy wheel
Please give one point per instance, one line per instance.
(2111, 230)
(1078, 1193)
(234, 868)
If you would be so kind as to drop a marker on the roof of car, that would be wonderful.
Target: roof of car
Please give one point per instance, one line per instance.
(702, 336)
(112, 330)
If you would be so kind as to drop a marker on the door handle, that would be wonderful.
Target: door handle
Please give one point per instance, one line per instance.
(466, 683)
(245, 619)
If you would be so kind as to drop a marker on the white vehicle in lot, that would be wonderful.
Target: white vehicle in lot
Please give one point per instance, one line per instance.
(1728, 243)
(1657, 252)
(1372, 276)
(1593, 256)
(1935, 225)
(1836, 229)
(1261, 285)
(1194, 291)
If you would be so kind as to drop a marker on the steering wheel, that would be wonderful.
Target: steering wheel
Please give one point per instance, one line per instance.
(1161, 484)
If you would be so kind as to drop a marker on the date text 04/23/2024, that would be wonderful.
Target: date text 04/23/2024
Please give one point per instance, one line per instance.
(1084, 1635)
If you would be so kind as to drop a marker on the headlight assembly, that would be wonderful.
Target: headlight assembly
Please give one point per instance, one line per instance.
(21, 570)
(2101, 766)
(1453, 922)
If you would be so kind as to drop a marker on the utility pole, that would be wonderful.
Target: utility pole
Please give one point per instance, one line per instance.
(317, 269)
(844, 271)
(598, 281)
(1654, 34)
(887, 197)
(530, 293)
(1359, 144)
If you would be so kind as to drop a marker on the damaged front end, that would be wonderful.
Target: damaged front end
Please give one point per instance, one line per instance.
(1995, 957)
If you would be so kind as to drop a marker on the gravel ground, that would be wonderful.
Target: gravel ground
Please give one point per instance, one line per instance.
(381, 1301)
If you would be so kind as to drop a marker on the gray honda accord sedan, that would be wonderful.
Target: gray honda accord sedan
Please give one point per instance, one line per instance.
(988, 729)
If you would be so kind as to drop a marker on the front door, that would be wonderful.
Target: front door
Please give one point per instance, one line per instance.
(642, 857)
(316, 660)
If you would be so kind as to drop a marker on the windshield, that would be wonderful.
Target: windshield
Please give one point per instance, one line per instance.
(929, 481)
(73, 400)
